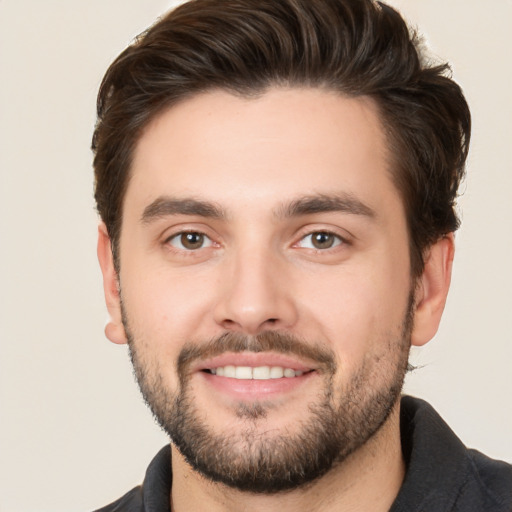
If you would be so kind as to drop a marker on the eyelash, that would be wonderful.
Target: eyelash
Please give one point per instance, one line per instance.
(337, 241)
(181, 234)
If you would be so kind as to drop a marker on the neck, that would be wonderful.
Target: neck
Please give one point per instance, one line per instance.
(369, 479)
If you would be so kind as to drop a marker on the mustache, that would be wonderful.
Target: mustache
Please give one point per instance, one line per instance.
(267, 341)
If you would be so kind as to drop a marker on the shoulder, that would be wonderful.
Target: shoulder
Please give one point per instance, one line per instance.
(442, 473)
(130, 502)
(489, 481)
(155, 491)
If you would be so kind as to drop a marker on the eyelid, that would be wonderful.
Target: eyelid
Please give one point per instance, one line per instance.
(176, 233)
(338, 241)
(207, 242)
(343, 236)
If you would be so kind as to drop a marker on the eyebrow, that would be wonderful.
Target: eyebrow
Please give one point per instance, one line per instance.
(319, 203)
(164, 206)
(344, 203)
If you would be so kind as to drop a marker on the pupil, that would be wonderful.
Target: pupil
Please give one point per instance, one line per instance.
(323, 240)
(192, 240)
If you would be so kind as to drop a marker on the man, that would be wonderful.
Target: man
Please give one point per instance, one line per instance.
(276, 181)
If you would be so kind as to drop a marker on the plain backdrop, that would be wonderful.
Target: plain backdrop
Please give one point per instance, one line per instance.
(74, 433)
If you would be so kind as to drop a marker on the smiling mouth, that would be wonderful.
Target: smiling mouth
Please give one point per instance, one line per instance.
(256, 372)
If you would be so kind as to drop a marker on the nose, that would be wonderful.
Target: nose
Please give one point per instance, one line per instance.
(254, 295)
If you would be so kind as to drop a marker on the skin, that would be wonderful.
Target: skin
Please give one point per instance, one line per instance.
(258, 270)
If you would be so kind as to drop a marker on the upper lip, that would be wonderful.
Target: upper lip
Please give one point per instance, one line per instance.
(254, 359)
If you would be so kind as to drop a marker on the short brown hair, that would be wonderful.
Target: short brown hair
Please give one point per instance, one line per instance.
(355, 47)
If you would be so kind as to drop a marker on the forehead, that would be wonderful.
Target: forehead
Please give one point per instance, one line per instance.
(282, 144)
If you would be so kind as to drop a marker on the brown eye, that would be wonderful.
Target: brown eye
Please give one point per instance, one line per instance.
(190, 241)
(320, 240)
(323, 240)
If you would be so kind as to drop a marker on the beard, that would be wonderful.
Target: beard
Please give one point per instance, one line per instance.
(256, 459)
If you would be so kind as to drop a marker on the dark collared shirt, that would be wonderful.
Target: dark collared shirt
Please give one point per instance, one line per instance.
(442, 474)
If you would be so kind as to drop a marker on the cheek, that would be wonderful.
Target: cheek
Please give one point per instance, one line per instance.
(357, 312)
(157, 329)
(165, 308)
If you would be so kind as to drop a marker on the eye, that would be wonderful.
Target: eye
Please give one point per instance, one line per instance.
(189, 241)
(320, 240)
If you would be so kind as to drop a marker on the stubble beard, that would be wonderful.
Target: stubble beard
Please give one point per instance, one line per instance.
(257, 460)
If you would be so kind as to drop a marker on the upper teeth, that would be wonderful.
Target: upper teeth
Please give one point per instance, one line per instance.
(258, 372)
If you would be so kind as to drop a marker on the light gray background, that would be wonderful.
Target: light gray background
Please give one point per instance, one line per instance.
(74, 433)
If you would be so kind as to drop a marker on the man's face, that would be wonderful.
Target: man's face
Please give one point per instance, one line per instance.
(265, 281)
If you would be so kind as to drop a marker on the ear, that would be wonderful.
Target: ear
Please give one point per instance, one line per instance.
(114, 329)
(432, 290)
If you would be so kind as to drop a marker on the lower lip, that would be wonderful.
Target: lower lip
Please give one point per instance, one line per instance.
(254, 388)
